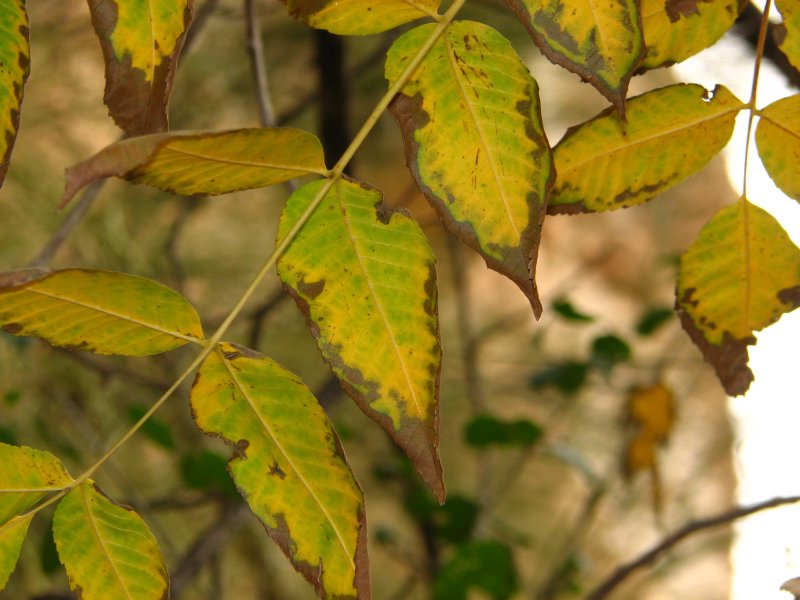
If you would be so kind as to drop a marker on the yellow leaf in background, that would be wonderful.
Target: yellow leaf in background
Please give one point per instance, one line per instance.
(787, 33)
(652, 410)
(107, 549)
(141, 42)
(671, 133)
(475, 144)
(98, 311)
(289, 466)
(600, 40)
(739, 276)
(360, 17)
(14, 67)
(778, 140)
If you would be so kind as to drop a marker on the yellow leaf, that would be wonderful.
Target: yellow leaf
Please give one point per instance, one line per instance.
(671, 133)
(141, 42)
(204, 163)
(360, 17)
(14, 68)
(475, 144)
(778, 140)
(652, 410)
(98, 311)
(740, 275)
(289, 466)
(366, 281)
(12, 534)
(107, 549)
(600, 40)
(787, 33)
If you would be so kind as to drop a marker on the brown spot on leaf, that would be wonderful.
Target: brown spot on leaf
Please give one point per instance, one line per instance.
(681, 8)
(13, 328)
(790, 296)
(240, 449)
(276, 470)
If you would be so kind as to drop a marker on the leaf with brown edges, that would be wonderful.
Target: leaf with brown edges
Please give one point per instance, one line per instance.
(14, 68)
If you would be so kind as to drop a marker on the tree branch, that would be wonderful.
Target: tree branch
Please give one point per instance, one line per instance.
(625, 570)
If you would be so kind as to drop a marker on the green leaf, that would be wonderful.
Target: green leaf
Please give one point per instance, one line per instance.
(674, 30)
(12, 534)
(475, 145)
(740, 275)
(671, 133)
(483, 565)
(455, 520)
(98, 311)
(567, 377)
(485, 430)
(787, 33)
(204, 163)
(565, 310)
(288, 465)
(141, 42)
(366, 282)
(600, 40)
(154, 429)
(207, 471)
(107, 549)
(14, 68)
(608, 351)
(360, 17)
(653, 319)
(778, 141)
(27, 476)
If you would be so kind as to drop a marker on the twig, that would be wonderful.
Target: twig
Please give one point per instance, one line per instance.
(255, 49)
(201, 16)
(625, 570)
(109, 371)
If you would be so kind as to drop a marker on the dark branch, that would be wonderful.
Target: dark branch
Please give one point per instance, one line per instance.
(747, 27)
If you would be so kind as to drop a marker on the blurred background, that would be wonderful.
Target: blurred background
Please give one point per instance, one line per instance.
(570, 445)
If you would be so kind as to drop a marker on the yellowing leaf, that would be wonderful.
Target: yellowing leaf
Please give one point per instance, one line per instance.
(12, 534)
(141, 42)
(740, 275)
(107, 549)
(600, 40)
(475, 144)
(360, 17)
(98, 311)
(14, 68)
(671, 133)
(289, 466)
(27, 476)
(204, 163)
(778, 140)
(652, 410)
(787, 33)
(366, 281)
(674, 30)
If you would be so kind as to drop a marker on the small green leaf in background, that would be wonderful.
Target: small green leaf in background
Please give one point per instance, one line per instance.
(740, 275)
(97, 311)
(486, 430)
(208, 472)
(12, 534)
(206, 163)
(365, 280)
(671, 133)
(787, 33)
(568, 312)
(475, 144)
(154, 429)
(14, 68)
(608, 351)
(288, 465)
(360, 17)
(107, 549)
(12, 397)
(778, 141)
(455, 520)
(141, 42)
(652, 320)
(483, 565)
(675, 30)
(567, 377)
(600, 40)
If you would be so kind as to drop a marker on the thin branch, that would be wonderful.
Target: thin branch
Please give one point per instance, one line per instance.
(255, 49)
(625, 570)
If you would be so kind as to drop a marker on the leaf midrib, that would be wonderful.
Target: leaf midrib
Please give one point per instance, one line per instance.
(240, 163)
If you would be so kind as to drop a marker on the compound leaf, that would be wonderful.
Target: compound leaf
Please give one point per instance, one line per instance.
(141, 42)
(99, 311)
(204, 163)
(778, 140)
(360, 17)
(289, 466)
(740, 275)
(475, 145)
(12, 534)
(107, 549)
(671, 133)
(674, 30)
(600, 40)
(366, 282)
(787, 33)
(14, 67)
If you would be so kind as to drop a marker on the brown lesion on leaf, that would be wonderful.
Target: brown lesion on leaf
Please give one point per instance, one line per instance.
(790, 297)
(676, 9)
(641, 194)
(276, 470)
(11, 280)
